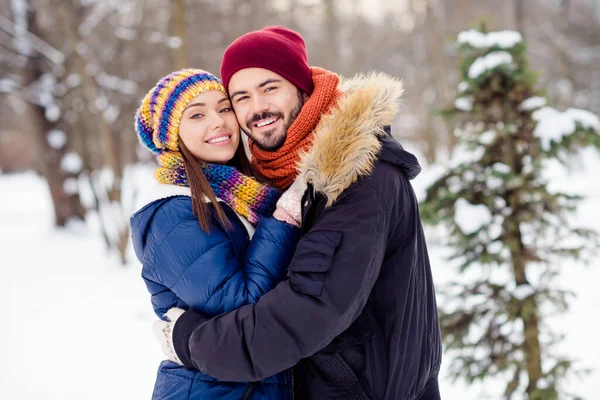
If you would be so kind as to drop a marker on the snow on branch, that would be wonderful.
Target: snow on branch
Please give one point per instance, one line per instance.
(478, 40)
(489, 62)
(553, 125)
(36, 42)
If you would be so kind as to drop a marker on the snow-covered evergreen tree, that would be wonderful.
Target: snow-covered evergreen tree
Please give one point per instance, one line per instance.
(506, 226)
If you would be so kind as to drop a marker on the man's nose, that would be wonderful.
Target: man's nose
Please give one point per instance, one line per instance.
(260, 105)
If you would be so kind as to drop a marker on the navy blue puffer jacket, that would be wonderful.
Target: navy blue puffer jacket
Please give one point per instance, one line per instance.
(212, 273)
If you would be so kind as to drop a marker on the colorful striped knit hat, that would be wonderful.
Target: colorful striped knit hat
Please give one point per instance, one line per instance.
(158, 118)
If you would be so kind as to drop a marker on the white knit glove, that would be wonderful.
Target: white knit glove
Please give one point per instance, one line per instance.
(289, 208)
(163, 330)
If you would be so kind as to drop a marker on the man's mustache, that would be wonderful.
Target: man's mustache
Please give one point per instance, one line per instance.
(265, 115)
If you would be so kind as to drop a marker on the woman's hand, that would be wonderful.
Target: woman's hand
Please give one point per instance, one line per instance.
(163, 330)
(289, 208)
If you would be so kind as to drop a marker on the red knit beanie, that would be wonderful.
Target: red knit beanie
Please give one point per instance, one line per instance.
(275, 48)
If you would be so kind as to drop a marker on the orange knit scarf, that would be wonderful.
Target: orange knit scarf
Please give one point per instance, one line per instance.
(280, 166)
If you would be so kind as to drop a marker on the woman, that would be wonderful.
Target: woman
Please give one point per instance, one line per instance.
(193, 239)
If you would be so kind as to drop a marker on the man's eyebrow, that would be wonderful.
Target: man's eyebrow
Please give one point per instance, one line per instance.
(232, 95)
(271, 80)
(260, 85)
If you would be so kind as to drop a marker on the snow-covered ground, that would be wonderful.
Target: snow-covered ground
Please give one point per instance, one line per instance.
(78, 324)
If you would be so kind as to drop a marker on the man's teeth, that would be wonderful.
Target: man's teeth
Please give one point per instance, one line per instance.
(267, 122)
(220, 139)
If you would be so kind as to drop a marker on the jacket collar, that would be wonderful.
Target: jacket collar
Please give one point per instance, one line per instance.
(347, 142)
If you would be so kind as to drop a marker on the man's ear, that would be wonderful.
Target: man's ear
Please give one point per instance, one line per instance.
(305, 96)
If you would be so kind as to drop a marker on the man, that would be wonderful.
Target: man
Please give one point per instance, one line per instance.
(356, 316)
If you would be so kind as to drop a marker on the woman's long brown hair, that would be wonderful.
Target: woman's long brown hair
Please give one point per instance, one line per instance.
(200, 188)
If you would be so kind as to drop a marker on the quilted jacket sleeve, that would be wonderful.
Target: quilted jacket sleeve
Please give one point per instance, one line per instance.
(203, 271)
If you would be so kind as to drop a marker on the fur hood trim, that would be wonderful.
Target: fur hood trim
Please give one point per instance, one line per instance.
(346, 142)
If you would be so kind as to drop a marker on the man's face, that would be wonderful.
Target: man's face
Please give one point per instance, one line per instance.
(265, 104)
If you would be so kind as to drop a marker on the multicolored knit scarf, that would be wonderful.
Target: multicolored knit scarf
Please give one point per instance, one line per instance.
(280, 166)
(243, 194)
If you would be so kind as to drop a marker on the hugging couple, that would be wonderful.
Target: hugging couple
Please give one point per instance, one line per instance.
(302, 272)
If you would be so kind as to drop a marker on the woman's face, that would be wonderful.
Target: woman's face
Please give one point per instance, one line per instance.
(209, 128)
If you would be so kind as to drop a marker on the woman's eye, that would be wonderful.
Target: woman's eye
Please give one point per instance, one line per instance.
(196, 116)
(226, 109)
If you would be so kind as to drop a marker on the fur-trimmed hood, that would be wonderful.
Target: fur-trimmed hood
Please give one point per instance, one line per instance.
(348, 141)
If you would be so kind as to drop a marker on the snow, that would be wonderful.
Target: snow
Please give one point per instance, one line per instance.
(78, 325)
(111, 113)
(8, 85)
(585, 118)
(101, 103)
(56, 139)
(495, 247)
(487, 137)
(501, 168)
(174, 42)
(464, 103)
(73, 80)
(52, 112)
(71, 163)
(128, 87)
(478, 40)
(70, 186)
(488, 62)
(470, 218)
(521, 292)
(552, 124)
(494, 182)
(463, 154)
(533, 103)
(21, 28)
(125, 33)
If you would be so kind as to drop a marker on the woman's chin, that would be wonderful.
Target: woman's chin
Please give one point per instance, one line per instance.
(223, 156)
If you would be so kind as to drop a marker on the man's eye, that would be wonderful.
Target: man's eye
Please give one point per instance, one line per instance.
(241, 98)
(270, 88)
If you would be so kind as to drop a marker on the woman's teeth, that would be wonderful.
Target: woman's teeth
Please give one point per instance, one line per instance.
(220, 139)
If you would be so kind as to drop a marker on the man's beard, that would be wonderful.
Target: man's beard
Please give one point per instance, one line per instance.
(274, 140)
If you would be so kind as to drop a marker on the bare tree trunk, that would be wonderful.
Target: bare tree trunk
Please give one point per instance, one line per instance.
(529, 307)
(332, 36)
(520, 16)
(66, 205)
(434, 34)
(564, 58)
(291, 14)
(114, 229)
(426, 134)
(177, 28)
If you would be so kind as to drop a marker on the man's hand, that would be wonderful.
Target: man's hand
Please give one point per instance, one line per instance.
(163, 330)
